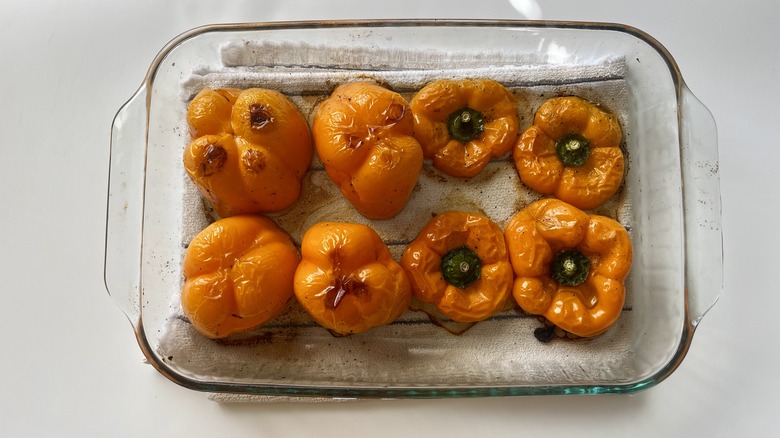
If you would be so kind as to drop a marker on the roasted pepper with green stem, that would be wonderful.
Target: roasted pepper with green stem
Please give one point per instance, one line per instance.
(459, 263)
(569, 266)
(462, 124)
(571, 151)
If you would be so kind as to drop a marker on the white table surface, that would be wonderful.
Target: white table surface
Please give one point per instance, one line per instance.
(70, 365)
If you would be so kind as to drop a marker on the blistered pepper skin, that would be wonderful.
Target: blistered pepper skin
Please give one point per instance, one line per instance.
(347, 280)
(363, 135)
(437, 101)
(584, 186)
(449, 231)
(238, 275)
(250, 150)
(548, 226)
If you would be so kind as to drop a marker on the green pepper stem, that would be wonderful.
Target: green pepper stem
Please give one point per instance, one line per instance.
(570, 268)
(573, 149)
(465, 124)
(461, 267)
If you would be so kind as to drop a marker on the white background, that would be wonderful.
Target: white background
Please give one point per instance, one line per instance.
(70, 365)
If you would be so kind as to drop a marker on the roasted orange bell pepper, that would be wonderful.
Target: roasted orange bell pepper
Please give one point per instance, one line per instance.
(363, 135)
(347, 280)
(250, 152)
(462, 124)
(572, 151)
(238, 275)
(569, 266)
(459, 263)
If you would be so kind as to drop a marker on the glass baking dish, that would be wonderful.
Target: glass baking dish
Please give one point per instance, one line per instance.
(670, 203)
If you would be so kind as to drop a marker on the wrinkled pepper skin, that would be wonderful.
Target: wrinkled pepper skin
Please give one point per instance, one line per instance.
(585, 186)
(548, 226)
(363, 135)
(210, 111)
(347, 280)
(238, 275)
(444, 233)
(250, 150)
(435, 102)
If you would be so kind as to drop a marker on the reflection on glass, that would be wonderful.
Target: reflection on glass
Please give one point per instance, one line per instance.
(529, 9)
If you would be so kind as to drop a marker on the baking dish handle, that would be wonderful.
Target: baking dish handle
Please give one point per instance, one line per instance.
(122, 269)
(701, 203)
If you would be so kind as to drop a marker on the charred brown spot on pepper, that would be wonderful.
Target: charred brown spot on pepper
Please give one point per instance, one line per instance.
(259, 116)
(253, 160)
(394, 113)
(214, 157)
